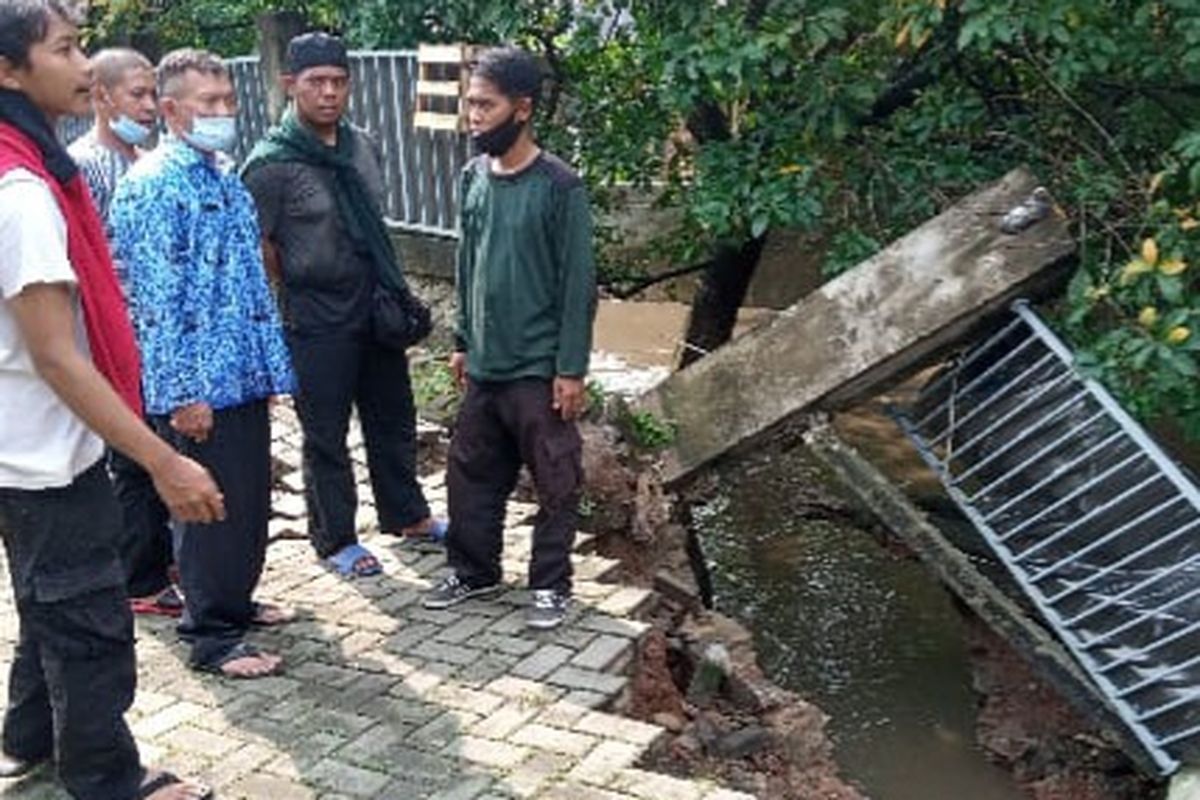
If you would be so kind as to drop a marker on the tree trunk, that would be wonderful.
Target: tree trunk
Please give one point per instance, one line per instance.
(715, 307)
(275, 30)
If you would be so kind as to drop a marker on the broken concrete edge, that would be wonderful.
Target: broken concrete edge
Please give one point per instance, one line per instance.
(1185, 785)
(952, 567)
(1038, 288)
(730, 712)
(882, 318)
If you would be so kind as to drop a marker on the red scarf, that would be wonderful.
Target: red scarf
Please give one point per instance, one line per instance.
(110, 334)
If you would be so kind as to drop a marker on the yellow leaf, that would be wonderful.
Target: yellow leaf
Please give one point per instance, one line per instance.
(791, 169)
(1156, 182)
(1189, 223)
(1172, 266)
(1098, 292)
(1133, 269)
(902, 35)
(1148, 316)
(1150, 252)
(923, 38)
(1178, 335)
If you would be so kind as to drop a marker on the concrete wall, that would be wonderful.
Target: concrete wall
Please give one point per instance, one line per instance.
(429, 267)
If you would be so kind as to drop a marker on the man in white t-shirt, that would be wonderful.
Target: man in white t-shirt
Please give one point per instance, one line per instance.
(68, 382)
(125, 105)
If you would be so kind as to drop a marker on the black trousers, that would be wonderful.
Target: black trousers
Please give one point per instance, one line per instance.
(336, 371)
(145, 544)
(220, 563)
(73, 673)
(502, 425)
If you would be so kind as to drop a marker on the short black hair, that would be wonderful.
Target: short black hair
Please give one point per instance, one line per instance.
(24, 23)
(512, 70)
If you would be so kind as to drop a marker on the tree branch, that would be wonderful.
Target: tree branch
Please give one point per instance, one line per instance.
(922, 69)
(631, 288)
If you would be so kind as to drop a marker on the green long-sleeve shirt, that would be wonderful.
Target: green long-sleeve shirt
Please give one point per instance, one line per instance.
(526, 272)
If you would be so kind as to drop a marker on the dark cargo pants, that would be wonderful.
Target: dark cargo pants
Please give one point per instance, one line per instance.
(145, 543)
(73, 673)
(502, 425)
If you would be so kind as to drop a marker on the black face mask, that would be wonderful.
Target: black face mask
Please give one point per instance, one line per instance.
(500, 139)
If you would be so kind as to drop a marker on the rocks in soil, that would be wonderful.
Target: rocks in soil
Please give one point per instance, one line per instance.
(1024, 725)
(743, 742)
(711, 672)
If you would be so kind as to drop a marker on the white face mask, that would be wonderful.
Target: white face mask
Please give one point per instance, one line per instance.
(129, 131)
(211, 134)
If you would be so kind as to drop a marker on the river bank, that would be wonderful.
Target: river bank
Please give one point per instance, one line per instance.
(921, 699)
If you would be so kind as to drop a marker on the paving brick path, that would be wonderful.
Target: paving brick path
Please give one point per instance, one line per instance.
(384, 699)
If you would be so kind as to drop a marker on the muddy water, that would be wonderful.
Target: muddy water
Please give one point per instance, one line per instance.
(865, 634)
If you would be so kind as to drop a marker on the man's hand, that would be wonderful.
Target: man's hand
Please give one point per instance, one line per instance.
(570, 397)
(187, 489)
(195, 421)
(458, 366)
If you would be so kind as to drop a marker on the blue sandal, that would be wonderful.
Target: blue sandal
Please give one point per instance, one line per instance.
(354, 561)
(435, 533)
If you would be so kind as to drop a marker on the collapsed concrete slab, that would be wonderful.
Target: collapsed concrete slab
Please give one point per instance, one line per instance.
(864, 329)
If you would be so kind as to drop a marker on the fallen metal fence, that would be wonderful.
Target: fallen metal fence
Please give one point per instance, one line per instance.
(1099, 527)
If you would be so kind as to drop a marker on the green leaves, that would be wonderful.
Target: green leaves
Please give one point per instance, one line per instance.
(858, 120)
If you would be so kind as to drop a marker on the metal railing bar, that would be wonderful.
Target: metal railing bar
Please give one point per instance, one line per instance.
(1055, 474)
(1065, 437)
(1179, 737)
(1165, 708)
(1171, 669)
(1066, 531)
(1074, 493)
(1145, 616)
(971, 357)
(1150, 648)
(1028, 432)
(1132, 590)
(1002, 392)
(1126, 561)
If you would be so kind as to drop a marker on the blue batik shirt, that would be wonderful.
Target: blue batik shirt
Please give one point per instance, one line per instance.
(186, 238)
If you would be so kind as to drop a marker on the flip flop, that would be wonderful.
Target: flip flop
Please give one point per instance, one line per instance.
(161, 781)
(269, 615)
(240, 650)
(166, 603)
(435, 533)
(354, 561)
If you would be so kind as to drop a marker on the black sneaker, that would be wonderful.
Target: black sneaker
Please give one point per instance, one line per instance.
(452, 591)
(549, 609)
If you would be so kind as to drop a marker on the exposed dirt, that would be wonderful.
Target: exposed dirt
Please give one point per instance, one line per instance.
(744, 731)
(1028, 728)
(696, 673)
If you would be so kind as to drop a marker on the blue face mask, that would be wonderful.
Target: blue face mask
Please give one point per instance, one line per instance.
(211, 134)
(129, 131)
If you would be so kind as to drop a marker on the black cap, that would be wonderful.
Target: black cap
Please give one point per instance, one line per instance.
(315, 50)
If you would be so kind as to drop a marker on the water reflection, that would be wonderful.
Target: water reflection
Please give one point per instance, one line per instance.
(868, 636)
